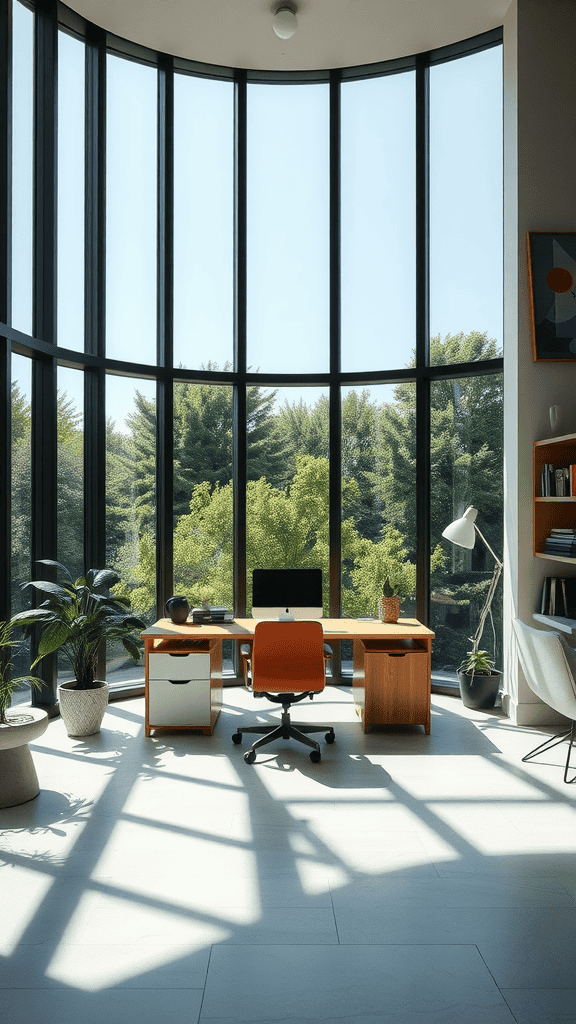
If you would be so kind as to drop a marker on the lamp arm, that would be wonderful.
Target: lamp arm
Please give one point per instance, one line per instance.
(493, 553)
(487, 604)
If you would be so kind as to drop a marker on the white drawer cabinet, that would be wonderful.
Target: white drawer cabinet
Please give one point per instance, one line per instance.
(180, 692)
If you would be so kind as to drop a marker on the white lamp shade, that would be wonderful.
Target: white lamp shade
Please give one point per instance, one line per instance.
(461, 531)
(285, 23)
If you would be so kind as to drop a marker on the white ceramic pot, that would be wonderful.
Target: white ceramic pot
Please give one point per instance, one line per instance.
(82, 711)
(18, 778)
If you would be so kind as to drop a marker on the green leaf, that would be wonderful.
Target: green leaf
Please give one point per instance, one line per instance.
(53, 637)
(58, 565)
(131, 647)
(106, 578)
(64, 595)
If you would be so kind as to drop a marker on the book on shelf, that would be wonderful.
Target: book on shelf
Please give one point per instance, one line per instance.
(566, 549)
(558, 481)
(558, 596)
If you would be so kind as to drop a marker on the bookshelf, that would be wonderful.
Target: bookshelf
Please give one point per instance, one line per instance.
(552, 512)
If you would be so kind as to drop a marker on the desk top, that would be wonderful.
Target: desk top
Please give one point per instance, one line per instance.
(335, 629)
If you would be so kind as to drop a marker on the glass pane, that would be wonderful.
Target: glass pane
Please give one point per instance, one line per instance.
(288, 228)
(203, 221)
(466, 228)
(131, 506)
(22, 166)
(71, 470)
(287, 470)
(378, 495)
(70, 192)
(21, 504)
(467, 469)
(203, 493)
(131, 213)
(378, 228)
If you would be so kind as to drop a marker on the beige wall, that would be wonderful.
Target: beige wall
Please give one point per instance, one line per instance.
(539, 195)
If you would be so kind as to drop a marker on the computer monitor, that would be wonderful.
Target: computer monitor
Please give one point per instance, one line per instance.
(287, 593)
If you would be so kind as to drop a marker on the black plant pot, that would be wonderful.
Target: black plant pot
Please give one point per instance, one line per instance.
(479, 691)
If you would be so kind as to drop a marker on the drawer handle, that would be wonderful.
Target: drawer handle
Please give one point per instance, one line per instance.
(177, 654)
(396, 654)
(179, 682)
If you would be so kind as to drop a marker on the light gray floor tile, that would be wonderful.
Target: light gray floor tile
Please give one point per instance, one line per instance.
(542, 1006)
(68, 1006)
(343, 985)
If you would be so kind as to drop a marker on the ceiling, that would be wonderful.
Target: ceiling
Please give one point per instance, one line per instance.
(331, 33)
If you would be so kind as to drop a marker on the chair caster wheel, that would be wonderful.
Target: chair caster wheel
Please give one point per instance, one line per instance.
(330, 736)
(237, 737)
(250, 756)
(315, 756)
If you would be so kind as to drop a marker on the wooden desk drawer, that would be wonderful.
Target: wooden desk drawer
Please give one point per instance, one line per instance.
(176, 666)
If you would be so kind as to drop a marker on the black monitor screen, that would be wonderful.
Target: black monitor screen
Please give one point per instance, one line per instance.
(272, 588)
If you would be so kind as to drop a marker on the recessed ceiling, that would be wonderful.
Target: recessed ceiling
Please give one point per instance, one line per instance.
(330, 34)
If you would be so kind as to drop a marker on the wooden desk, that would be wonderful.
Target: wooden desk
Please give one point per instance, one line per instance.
(391, 682)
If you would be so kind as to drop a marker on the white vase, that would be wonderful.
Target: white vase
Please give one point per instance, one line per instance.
(555, 412)
(82, 711)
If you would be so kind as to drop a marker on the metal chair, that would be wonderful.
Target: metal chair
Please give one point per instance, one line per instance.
(549, 665)
(286, 664)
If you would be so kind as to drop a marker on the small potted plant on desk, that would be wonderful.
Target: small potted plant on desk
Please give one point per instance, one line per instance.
(400, 582)
(76, 617)
(478, 681)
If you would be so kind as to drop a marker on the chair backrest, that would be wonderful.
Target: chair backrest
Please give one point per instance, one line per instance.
(288, 657)
(548, 666)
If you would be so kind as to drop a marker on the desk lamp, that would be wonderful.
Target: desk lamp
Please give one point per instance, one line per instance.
(463, 532)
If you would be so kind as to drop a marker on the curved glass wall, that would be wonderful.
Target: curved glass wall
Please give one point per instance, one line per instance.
(263, 296)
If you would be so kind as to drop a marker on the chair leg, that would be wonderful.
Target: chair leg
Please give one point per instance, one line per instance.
(553, 741)
(286, 730)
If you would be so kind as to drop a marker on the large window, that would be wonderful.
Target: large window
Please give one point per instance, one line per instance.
(262, 284)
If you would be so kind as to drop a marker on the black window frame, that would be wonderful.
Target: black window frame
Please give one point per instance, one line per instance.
(46, 355)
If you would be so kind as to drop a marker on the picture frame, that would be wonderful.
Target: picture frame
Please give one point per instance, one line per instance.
(552, 294)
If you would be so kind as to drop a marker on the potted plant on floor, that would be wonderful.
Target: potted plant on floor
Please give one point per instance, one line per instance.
(76, 617)
(479, 682)
(18, 726)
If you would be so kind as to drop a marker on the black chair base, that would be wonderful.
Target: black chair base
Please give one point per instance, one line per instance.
(286, 730)
(552, 742)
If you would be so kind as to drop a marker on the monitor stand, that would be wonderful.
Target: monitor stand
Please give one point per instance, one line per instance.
(285, 617)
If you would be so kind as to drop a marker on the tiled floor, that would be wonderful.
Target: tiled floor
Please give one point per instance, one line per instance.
(407, 878)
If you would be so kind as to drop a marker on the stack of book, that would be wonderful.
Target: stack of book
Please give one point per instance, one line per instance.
(558, 597)
(561, 542)
(558, 481)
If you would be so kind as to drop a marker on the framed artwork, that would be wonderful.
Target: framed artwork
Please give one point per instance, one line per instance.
(552, 290)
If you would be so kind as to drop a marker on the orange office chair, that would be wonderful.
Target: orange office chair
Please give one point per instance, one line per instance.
(287, 663)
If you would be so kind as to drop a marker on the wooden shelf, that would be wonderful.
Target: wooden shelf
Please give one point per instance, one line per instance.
(549, 512)
(555, 558)
(556, 499)
(557, 622)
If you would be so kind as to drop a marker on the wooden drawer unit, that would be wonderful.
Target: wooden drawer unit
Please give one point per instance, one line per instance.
(183, 690)
(392, 683)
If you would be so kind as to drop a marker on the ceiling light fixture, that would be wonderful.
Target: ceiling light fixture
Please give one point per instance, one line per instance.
(285, 21)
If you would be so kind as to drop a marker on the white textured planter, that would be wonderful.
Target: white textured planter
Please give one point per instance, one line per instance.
(18, 778)
(82, 711)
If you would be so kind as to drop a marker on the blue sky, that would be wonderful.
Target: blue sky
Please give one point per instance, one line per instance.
(288, 254)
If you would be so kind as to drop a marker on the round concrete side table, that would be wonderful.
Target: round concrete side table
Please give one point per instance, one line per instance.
(18, 778)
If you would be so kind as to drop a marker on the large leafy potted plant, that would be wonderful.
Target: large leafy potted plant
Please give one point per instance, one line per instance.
(479, 682)
(76, 617)
(18, 726)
